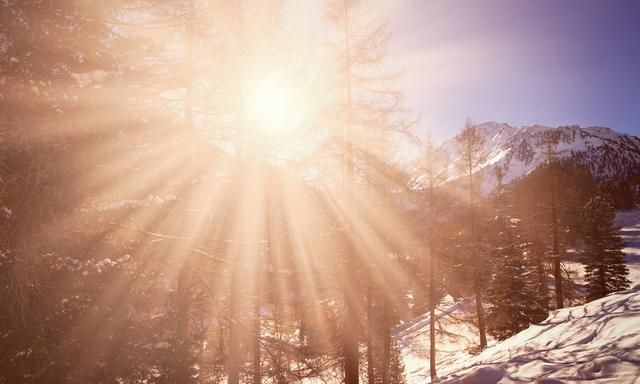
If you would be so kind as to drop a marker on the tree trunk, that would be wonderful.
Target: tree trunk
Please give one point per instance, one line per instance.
(481, 324)
(557, 270)
(257, 373)
(235, 348)
(602, 278)
(432, 317)
(182, 322)
(350, 331)
(370, 333)
(235, 336)
(350, 339)
(432, 272)
(542, 281)
(479, 310)
(386, 351)
(183, 291)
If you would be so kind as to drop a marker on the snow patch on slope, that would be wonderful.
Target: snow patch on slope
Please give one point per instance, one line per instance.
(598, 342)
(456, 336)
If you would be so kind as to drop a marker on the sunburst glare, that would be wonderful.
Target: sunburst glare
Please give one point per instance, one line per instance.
(199, 192)
(270, 106)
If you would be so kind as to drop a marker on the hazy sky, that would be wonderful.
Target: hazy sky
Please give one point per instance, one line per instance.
(551, 62)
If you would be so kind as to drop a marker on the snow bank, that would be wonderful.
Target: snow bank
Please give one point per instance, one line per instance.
(596, 342)
(630, 235)
(627, 218)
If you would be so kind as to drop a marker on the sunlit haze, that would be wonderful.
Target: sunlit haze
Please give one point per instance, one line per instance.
(321, 191)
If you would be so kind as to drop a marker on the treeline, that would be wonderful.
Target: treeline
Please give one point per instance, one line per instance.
(145, 238)
(558, 213)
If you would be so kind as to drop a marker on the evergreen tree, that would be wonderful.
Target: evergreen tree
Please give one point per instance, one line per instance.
(62, 66)
(531, 202)
(605, 270)
(512, 290)
(396, 369)
(621, 193)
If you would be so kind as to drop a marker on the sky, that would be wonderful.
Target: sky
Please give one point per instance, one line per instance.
(549, 62)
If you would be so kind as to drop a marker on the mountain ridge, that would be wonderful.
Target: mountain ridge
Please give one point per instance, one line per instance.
(516, 151)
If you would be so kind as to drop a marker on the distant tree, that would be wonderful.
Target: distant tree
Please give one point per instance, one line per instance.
(621, 192)
(605, 270)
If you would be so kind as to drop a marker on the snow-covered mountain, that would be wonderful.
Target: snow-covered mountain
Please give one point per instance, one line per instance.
(516, 151)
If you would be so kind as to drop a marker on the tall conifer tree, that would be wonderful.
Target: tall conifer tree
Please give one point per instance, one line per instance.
(605, 270)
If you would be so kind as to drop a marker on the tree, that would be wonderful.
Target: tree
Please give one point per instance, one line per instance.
(512, 292)
(367, 112)
(61, 63)
(432, 266)
(531, 202)
(620, 191)
(550, 141)
(435, 287)
(605, 269)
(471, 148)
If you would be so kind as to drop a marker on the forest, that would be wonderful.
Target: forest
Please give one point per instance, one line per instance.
(195, 191)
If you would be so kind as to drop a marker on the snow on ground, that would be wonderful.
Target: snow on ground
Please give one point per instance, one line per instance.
(630, 234)
(627, 218)
(598, 341)
(456, 335)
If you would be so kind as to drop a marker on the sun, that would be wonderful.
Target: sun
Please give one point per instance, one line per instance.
(270, 107)
(279, 115)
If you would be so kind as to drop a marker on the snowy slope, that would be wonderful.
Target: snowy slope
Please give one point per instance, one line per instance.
(519, 150)
(457, 333)
(598, 342)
